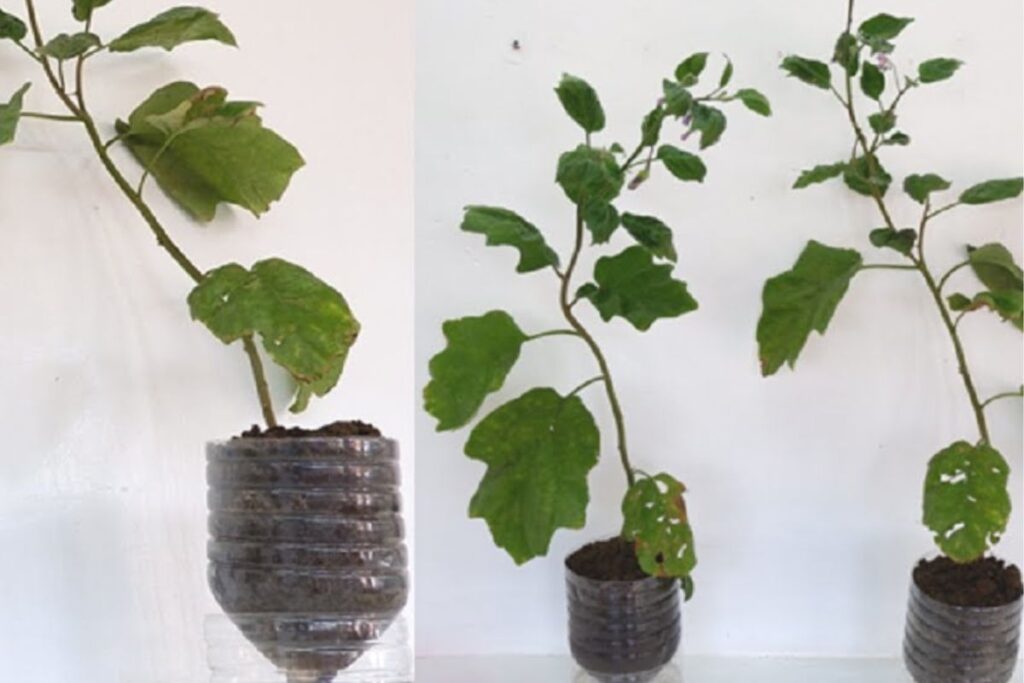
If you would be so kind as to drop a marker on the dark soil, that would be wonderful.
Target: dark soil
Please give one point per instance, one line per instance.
(611, 560)
(987, 582)
(335, 429)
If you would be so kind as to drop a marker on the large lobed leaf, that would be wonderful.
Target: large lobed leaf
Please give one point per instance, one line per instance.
(173, 28)
(966, 502)
(505, 228)
(655, 519)
(480, 353)
(305, 325)
(204, 150)
(538, 450)
(10, 114)
(630, 285)
(802, 300)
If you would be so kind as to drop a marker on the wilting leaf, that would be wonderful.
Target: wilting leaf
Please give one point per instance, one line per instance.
(480, 353)
(847, 53)
(655, 519)
(651, 128)
(505, 228)
(589, 175)
(802, 300)
(710, 122)
(994, 265)
(538, 450)
(727, 74)
(173, 28)
(966, 502)
(220, 152)
(678, 99)
(305, 325)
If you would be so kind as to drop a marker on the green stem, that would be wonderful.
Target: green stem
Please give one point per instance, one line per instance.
(949, 273)
(552, 333)
(613, 399)
(1005, 394)
(80, 113)
(50, 117)
(919, 262)
(584, 385)
(885, 266)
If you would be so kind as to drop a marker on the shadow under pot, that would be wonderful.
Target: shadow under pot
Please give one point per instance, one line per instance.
(622, 631)
(306, 552)
(960, 643)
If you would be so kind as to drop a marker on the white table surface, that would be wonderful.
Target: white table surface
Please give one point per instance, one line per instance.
(533, 669)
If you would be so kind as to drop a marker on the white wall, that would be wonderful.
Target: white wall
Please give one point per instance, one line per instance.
(110, 392)
(805, 488)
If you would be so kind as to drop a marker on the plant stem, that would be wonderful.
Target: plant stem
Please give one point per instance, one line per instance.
(949, 273)
(919, 261)
(552, 333)
(80, 113)
(613, 399)
(584, 385)
(50, 117)
(886, 266)
(998, 397)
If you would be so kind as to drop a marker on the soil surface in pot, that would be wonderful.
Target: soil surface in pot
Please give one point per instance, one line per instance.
(987, 582)
(335, 429)
(611, 560)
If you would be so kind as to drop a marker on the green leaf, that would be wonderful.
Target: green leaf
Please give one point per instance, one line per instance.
(966, 501)
(1008, 304)
(802, 300)
(755, 101)
(630, 285)
(897, 138)
(899, 240)
(727, 74)
(690, 69)
(940, 69)
(655, 519)
(305, 325)
(710, 122)
(581, 103)
(505, 228)
(479, 354)
(65, 47)
(83, 9)
(601, 219)
(847, 53)
(809, 71)
(678, 99)
(173, 28)
(11, 27)
(883, 122)
(589, 175)
(993, 191)
(538, 450)
(651, 128)
(920, 187)
(994, 265)
(863, 176)
(872, 81)
(686, 585)
(682, 164)
(883, 27)
(958, 302)
(10, 114)
(819, 174)
(651, 234)
(220, 153)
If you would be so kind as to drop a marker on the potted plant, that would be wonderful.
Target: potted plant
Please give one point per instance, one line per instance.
(624, 619)
(306, 552)
(964, 618)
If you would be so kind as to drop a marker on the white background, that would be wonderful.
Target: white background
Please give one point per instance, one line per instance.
(110, 391)
(804, 488)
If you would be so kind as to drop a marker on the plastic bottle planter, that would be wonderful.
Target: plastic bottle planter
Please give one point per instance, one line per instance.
(623, 631)
(947, 644)
(306, 552)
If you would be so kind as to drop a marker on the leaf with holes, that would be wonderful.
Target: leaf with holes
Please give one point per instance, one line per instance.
(505, 228)
(479, 354)
(538, 450)
(630, 285)
(173, 28)
(306, 326)
(217, 152)
(802, 300)
(966, 502)
(655, 519)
